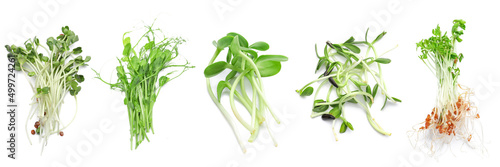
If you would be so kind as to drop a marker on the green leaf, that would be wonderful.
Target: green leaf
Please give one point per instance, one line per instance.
(215, 68)
(74, 92)
(163, 80)
(73, 84)
(307, 92)
(350, 40)
(45, 59)
(368, 89)
(383, 60)
(51, 42)
(126, 41)
(224, 42)
(358, 83)
(79, 78)
(375, 89)
(396, 99)
(343, 128)
(220, 87)
(235, 46)
(231, 75)
(379, 37)
(229, 56)
(268, 68)
(348, 124)
(243, 42)
(9, 48)
(44, 90)
(127, 49)
(320, 108)
(262, 46)
(87, 59)
(77, 50)
(252, 53)
(320, 63)
(336, 112)
(352, 47)
(278, 58)
(37, 41)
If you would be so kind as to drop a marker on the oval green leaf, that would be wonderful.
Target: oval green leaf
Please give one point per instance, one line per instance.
(268, 68)
(224, 42)
(348, 124)
(235, 46)
(383, 60)
(220, 88)
(307, 92)
(336, 112)
(241, 39)
(343, 128)
(352, 47)
(163, 80)
(215, 68)
(279, 58)
(262, 46)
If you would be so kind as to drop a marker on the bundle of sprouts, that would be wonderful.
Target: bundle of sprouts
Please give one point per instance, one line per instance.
(54, 76)
(347, 74)
(454, 116)
(140, 77)
(245, 65)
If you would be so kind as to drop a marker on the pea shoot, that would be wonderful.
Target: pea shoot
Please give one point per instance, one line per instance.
(51, 78)
(454, 115)
(347, 74)
(139, 77)
(245, 65)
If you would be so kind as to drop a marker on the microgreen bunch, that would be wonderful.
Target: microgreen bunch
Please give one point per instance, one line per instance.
(245, 65)
(51, 78)
(347, 73)
(139, 77)
(454, 114)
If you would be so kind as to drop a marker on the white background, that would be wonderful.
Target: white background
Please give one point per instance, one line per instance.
(190, 131)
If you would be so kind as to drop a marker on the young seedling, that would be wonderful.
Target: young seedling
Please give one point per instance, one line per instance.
(347, 73)
(139, 77)
(454, 115)
(245, 65)
(51, 78)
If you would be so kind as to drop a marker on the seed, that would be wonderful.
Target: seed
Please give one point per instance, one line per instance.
(61, 133)
(333, 82)
(327, 117)
(33, 132)
(37, 124)
(327, 72)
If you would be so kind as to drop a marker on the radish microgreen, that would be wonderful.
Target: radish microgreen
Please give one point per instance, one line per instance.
(52, 77)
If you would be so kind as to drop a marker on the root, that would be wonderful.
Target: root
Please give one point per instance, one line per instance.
(457, 122)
